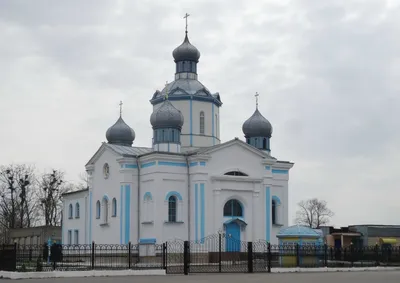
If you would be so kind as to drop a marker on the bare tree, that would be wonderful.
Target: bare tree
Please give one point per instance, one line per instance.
(17, 188)
(52, 186)
(84, 181)
(313, 213)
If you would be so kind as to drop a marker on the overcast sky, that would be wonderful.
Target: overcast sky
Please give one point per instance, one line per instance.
(328, 74)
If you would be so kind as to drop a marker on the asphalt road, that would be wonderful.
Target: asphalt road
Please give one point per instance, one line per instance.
(326, 277)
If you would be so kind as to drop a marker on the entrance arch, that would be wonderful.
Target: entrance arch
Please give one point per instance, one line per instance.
(234, 210)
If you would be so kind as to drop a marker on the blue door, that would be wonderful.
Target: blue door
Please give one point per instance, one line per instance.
(232, 237)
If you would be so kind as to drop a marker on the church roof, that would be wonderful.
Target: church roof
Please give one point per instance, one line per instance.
(186, 87)
(167, 116)
(130, 151)
(186, 51)
(257, 126)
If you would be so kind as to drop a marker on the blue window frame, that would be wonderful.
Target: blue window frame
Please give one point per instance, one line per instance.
(114, 207)
(70, 211)
(98, 210)
(172, 209)
(77, 210)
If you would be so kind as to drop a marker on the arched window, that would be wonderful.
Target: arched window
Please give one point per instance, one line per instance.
(235, 173)
(264, 143)
(98, 209)
(273, 212)
(172, 209)
(77, 212)
(70, 211)
(105, 210)
(233, 208)
(114, 207)
(202, 130)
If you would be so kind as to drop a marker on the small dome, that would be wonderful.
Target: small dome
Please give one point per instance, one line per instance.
(186, 52)
(257, 126)
(167, 116)
(120, 133)
(298, 230)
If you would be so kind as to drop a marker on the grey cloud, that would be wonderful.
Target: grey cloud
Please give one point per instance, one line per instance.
(326, 70)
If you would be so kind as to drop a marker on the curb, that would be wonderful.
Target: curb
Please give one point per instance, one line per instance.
(330, 269)
(76, 274)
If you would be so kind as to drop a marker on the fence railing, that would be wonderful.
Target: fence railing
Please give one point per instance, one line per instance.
(217, 253)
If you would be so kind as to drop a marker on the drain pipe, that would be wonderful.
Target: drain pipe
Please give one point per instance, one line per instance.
(188, 187)
(138, 196)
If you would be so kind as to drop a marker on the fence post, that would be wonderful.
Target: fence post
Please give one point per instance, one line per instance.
(376, 255)
(164, 249)
(129, 255)
(93, 251)
(220, 252)
(186, 257)
(297, 255)
(269, 258)
(250, 257)
(326, 255)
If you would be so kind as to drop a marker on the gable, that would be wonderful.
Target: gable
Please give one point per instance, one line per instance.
(235, 158)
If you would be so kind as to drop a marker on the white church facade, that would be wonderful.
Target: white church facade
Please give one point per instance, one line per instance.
(188, 184)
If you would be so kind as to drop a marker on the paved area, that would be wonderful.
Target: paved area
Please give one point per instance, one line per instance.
(327, 277)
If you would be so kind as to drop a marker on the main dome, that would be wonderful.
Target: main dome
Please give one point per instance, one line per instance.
(167, 116)
(120, 133)
(186, 52)
(257, 126)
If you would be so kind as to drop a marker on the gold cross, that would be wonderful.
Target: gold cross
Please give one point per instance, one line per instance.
(186, 17)
(120, 108)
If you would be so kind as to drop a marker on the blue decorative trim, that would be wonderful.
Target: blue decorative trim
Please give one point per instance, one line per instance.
(187, 97)
(193, 164)
(196, 212)
(212, 113)
(127, 213)
(148, 194)
(173, 193)
(130, 166)
(90, 216)
(148, 164)
(279, 171)
(147, 241)
(202, 163)
(267, 167)
(168, 163)
(106, 197)
(202, 207)
(267, 214)
(121, 215)
(191, 122)
(276, 199)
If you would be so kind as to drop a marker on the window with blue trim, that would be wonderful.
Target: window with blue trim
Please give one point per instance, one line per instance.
(76, 237)
(69, 237)
(70, 211)
(77, 210)
(172, 209)
(105, 210)
(202, 123)
(274, 212)
(233, 208)
(98, 209)
(114, 207)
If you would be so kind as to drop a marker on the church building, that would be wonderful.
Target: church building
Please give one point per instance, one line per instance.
(188, 184)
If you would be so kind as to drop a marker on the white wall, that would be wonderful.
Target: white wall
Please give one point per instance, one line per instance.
(110, 187)
(79, 224)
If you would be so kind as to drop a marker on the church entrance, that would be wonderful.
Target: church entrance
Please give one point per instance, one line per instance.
(232, 237)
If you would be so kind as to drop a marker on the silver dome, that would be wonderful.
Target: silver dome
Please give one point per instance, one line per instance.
(120, 133)
(186, 52)
(167, 116)
(257, 126)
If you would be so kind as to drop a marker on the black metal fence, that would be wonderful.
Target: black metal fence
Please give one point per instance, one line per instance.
(216, 253)
(86, 257)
